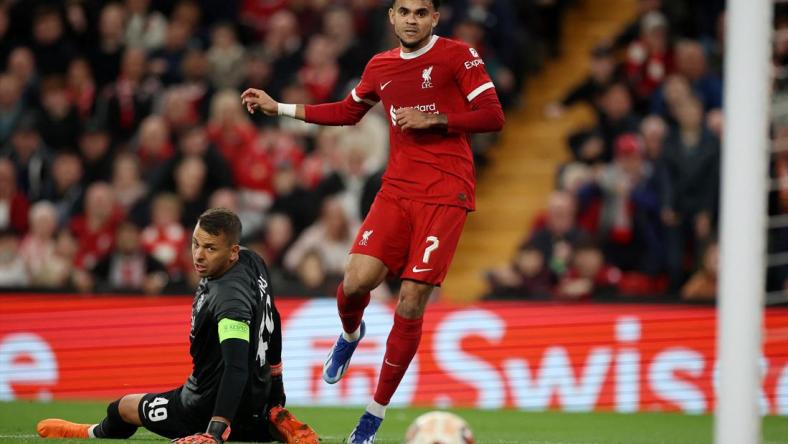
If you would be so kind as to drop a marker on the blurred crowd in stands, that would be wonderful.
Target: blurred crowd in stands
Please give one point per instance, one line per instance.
(635, 210)
(120, 122)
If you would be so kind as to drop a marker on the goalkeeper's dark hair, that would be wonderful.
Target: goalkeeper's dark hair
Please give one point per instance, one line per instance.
(435, 3)
(221, 220)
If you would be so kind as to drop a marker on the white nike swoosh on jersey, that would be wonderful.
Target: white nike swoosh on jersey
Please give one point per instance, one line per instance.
(420, 270)
(393, 365)
(384, 85)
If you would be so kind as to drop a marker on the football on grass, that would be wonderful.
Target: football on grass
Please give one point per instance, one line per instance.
(439, 428)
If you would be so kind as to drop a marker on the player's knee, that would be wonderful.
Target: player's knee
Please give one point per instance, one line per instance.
(409, 310)
(356, 284)
(126, 409)
(412, 303)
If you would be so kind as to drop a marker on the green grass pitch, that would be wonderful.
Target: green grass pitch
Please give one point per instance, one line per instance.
(18, 420)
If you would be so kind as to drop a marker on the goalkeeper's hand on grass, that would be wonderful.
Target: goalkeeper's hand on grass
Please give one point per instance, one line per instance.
(218, 432)
(199, 438)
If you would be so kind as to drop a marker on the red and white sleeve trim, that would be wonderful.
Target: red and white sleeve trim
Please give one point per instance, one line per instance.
(358, 99)
(475, 93)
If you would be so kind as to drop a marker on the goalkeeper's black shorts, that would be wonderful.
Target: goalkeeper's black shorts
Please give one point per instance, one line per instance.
(165, 415)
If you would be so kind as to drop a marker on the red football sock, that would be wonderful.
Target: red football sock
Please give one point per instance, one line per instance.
(401, 347)
(350, 309)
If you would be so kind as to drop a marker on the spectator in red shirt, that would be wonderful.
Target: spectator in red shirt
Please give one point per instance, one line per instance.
(256, 14)
(95, 228)
(178, 111)
(320, 73)
(196, 85)
(127, 268)
(165, 237)
(13, 203)
(81, 87)
(649, 59)
(229, 128)
(589, 276)
(153, 143)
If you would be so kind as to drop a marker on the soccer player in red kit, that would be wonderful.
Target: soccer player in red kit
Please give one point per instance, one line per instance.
(435, 91)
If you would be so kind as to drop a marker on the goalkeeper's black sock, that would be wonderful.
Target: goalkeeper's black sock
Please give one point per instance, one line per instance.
(113, 426)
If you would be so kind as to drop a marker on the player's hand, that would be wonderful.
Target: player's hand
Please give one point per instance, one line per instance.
(411, 118)
(258, 99)
(277, 394)
(199, 438)
(218, 432)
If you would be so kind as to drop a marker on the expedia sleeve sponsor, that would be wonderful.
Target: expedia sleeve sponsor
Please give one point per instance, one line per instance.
(469, 64)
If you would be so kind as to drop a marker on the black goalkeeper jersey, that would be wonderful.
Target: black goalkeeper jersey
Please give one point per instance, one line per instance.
(243, 293)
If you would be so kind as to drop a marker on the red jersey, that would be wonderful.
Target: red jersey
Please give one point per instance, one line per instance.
(435, 165)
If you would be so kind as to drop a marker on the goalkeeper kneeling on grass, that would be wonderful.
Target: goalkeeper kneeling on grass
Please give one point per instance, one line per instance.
(235, 390)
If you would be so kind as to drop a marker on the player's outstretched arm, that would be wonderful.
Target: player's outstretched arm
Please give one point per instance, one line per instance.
(343, 112)
(257, 99)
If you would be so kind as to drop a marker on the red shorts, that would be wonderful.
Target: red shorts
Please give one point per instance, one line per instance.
(415, 240)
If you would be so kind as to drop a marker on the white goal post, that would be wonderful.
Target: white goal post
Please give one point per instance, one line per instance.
(743, 220)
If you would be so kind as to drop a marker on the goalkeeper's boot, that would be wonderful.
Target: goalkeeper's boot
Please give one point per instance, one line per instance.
(365, 431)
(338, 359)
(58, 428)
(292, 430)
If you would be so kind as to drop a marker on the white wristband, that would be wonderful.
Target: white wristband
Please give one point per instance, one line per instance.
(286, 109)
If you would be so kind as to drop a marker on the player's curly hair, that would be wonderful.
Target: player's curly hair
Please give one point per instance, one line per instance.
(221, 220)
(435, 4)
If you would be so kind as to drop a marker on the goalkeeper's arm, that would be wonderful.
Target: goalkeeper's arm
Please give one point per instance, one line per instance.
(234, 339)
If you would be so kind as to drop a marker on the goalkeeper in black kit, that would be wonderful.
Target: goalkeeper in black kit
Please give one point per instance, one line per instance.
(235, 391)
